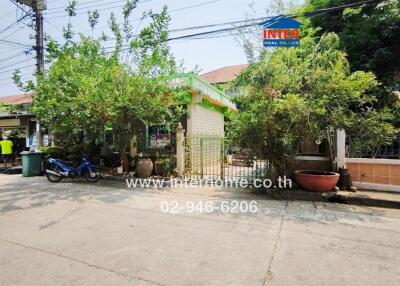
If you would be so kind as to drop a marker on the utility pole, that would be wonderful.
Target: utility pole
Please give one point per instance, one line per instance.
(38, 6)
(39, 37)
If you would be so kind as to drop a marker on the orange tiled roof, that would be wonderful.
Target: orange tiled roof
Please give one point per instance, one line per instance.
(225, 74)
(16, 99)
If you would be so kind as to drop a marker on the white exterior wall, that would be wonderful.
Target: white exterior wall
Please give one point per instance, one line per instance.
(204, 121)
(205, 152)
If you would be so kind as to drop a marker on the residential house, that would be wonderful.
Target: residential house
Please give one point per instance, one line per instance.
(222, 78)
(17, 121)
(206, 108)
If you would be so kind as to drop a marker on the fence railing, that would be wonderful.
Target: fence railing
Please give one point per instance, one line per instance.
(360, 146)
(211, 157)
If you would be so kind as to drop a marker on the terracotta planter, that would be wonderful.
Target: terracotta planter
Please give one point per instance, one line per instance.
(316, 181)
(144, 168)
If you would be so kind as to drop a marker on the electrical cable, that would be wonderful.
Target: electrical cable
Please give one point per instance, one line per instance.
(214, 32)
(119, 6)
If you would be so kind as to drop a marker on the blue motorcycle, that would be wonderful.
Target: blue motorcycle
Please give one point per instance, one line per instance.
(57, 170)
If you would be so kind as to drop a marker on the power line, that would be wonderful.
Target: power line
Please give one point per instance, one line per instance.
(15, 43)
(119, 6)
(12, 32)
(206, 26)
(20, 62)
(18, 6)
(93, 6)
(217, 31)
(79, 5)
(13, 24)
(13, 57)
(305, 14)
(24, 74)
(215, 25)
(16, 68)
(171, 11)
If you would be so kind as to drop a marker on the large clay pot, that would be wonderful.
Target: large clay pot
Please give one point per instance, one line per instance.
(316, 181)
(144, 168)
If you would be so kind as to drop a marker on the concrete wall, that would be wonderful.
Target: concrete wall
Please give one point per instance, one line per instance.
(375, 174)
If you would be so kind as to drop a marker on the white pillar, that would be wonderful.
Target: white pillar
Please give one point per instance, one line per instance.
(180, 150)
(27, 134)
(341, 148)
(38, 135)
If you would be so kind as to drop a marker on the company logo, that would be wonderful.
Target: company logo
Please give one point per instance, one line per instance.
(281, 31)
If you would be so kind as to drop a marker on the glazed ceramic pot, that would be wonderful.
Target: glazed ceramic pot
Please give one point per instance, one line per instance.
(144, 168)
(316, 181)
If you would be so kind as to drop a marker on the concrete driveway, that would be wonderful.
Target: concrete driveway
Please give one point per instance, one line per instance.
(80, 234)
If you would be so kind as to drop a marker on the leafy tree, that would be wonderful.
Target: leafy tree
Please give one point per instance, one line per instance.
(298, 92)
(72, 97)
(88, 89)
(369, 35)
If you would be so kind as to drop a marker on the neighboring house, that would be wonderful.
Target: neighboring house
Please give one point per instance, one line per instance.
(206, 108)
(223, 77)
(16, 119)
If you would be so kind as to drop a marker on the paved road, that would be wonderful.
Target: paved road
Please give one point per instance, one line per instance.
(78, 234)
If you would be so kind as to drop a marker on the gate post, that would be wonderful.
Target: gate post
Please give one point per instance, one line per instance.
(180, 150)
(341, 148)
(222, 158)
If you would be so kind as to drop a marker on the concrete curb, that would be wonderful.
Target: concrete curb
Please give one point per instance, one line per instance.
(361, 200)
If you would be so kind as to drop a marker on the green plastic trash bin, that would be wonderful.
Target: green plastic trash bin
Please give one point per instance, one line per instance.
(31, 163)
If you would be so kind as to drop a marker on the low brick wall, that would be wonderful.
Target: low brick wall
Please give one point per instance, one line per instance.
(378, 174)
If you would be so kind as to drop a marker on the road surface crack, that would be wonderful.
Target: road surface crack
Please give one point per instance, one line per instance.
(268, 278)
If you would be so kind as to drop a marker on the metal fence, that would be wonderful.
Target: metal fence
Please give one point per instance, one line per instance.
(360, 146)
(211, 157)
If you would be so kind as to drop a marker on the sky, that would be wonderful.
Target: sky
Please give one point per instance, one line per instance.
(205, 54)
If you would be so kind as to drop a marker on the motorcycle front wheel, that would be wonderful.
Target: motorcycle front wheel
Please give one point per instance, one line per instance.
(92, 175)
(53, 178)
